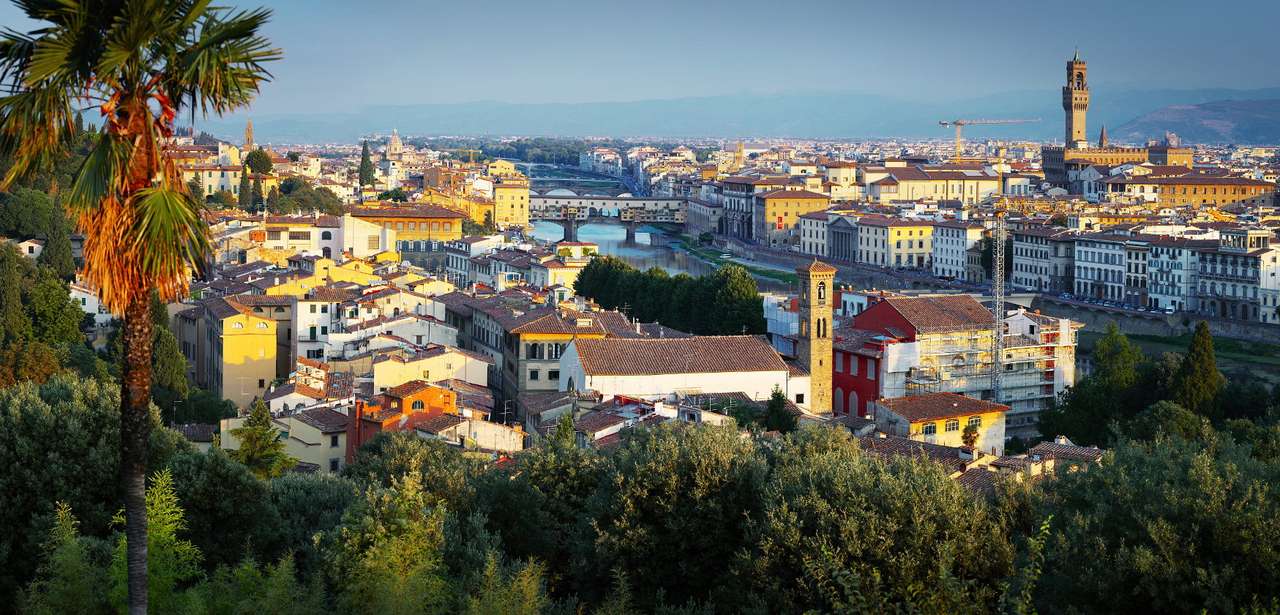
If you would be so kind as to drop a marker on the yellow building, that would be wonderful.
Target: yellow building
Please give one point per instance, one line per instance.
(511, 201)
(317, 438)
(943, 418)
(434, 364)
(895, 242)
(416, 222)
(230, 350)
(1194, 190)
(777, 212)
(501, 168)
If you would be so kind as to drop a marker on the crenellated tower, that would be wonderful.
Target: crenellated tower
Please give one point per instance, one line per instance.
(1075, 102)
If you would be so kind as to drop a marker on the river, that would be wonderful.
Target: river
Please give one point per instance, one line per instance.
(612, 241)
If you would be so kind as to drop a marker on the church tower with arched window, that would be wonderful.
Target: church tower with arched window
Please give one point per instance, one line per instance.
(813, 349)
(1075, 101)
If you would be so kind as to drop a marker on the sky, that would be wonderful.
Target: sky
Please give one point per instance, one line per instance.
(341, 55)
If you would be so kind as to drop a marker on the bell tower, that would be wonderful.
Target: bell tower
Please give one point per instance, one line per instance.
(813, 348)
(1075, 102)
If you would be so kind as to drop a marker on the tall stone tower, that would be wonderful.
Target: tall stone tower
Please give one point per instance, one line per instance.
(1075, 101)
(248, 136)
(817, 287)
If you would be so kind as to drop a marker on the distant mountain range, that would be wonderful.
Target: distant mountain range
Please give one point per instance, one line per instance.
(1223, 121)
(815, 115)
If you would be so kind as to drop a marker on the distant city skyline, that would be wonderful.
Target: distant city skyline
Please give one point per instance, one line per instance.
(341, 56)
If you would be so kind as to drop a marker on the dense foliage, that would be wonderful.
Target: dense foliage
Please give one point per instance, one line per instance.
(726, 302)
(674, 519)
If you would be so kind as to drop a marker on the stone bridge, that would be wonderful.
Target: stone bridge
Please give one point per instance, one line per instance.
(574, 211)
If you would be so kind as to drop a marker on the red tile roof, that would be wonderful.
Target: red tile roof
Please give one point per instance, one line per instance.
(691, 355)
(938, 406)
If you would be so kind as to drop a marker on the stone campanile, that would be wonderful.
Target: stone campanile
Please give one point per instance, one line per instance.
(813, 349)
(1075, 101)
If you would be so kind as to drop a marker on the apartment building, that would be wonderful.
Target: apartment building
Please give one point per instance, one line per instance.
(895, 242)
(953, 242)
(1100, 266)
(1238, 277)
(811, 229)
(1043, 259)
(230, 350)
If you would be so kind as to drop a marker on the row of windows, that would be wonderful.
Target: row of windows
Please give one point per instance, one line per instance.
(951, 425)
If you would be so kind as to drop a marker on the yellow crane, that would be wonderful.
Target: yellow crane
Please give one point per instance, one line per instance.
(960, 124)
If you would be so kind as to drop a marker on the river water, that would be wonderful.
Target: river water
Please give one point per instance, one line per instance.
(612, 241)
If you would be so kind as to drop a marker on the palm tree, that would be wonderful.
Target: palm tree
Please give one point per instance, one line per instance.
(140, 63)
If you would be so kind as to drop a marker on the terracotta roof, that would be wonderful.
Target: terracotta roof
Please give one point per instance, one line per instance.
(420, 211)
(439, 423)
(705, 354)
(596, 421)
(886, 447)
(792, 194)
(981, 481)
(938, 405)
(327, 420)
(1067, 451)
(817, 266)
(408, 388)
(944, 313)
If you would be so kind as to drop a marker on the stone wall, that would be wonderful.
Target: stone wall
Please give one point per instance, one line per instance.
(1095, 318)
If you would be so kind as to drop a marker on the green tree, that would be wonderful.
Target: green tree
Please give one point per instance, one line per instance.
(1167, 418)
(67, 581)
(776, 415)
(841, 531)
(386, 556)
(366, 170)
(1198, 381)
(1087, 411)
(306, 505)
(223, 199)
(57, 250)
(55, 318)
(245, 196)
(739, 309)
(259, 162)
(247, 588)
(444, 473)
(518, 590)
(168, 368)
(229, 512)
(673, 499)
(15, 323)
(65, 435)
(398, 195)
(257, 197)
(260, 446)
(1168, 526)
(172, 561)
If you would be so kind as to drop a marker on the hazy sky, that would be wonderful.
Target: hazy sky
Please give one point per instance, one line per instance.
(344, 54)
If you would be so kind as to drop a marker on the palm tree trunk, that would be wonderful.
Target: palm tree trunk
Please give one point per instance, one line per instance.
(135, 431)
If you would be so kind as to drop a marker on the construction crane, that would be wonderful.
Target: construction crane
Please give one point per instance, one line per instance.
(960, 124)
(998, 289)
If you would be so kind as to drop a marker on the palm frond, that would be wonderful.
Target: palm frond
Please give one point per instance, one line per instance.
(169, 237)
(33, 124)
(224, 67)
(100, 175)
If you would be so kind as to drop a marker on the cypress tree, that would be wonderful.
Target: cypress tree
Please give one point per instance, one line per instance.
(1198, 381)
(257, 193)
(57, 250)
(13, 317)
(366, 166)
(245, 198)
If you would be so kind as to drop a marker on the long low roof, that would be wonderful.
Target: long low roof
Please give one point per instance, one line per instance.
(689, 355)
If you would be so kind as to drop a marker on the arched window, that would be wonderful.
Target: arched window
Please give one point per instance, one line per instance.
(853, 404)
(326, 235)
(418, 405)
(837, 402)
(1079, 81)
(822, 291)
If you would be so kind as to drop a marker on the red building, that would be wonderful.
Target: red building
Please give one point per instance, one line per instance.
(401, 408)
